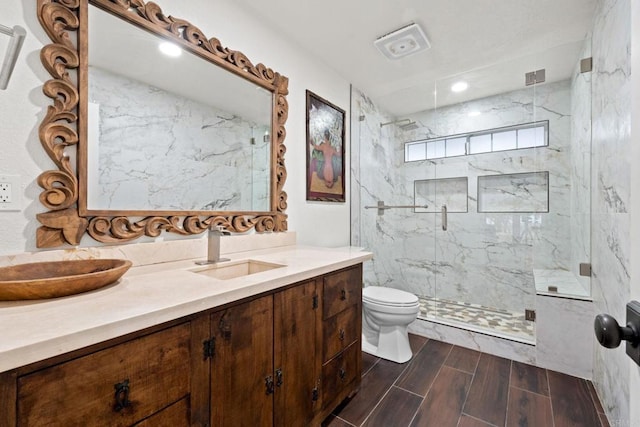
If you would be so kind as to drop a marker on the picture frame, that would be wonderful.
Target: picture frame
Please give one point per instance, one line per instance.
(325, 139)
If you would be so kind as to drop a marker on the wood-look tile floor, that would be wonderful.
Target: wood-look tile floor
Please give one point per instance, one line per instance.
(446, 385)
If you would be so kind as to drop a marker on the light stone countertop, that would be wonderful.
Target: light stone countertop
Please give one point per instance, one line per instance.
(150, 295)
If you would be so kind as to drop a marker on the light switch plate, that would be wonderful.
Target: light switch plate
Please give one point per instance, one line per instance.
(633, 318)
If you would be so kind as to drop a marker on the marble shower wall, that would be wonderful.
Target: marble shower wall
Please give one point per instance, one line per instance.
(611, 142)
(484, 258)
(158, 150)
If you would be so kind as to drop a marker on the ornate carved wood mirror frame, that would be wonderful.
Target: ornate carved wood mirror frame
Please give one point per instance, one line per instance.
(63, 131)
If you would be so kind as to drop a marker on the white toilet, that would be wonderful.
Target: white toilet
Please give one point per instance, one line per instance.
(386, 313)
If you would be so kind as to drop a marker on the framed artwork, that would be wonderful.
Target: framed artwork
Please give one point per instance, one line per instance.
(325, 150)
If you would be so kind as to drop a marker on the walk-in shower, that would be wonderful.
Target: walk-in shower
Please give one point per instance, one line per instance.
(485, 202)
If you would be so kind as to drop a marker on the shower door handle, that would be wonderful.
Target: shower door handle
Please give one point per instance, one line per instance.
(444, 217)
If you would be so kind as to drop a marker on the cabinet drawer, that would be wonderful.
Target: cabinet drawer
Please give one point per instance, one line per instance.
(149, 373)
(176, 415)
(340, 372)
(341, 290)
(339, 332)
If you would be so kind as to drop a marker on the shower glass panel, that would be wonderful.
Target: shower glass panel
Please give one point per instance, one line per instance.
(563, 240)
(402, 240)
(502, 181)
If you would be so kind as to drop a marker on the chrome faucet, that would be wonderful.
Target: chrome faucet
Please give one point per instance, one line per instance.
(213, 245)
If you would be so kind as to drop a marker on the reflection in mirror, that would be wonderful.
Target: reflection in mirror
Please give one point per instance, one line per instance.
(170, 132)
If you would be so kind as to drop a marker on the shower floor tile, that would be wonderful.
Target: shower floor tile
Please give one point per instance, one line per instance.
(493, 320)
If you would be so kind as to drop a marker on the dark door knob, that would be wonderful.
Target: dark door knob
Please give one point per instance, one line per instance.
(609, 333)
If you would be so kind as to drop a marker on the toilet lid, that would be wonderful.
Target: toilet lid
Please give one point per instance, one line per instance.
(388, 296)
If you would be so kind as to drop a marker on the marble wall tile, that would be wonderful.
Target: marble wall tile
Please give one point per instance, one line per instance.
(564, 335)
(506, 348)
(485, 258)
(435, 193)
(160, 151)
(611, 106)
(522, 192)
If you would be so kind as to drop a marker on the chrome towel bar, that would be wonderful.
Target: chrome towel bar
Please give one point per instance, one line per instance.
(382, 207)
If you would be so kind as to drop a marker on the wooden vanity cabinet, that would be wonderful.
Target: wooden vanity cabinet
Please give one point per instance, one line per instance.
(286, 358)
(342, 335)
(263, 367)
(147, 378)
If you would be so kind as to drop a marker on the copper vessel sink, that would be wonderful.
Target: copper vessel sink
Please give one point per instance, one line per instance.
(40, 280)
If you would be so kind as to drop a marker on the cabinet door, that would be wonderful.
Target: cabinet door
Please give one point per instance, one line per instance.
(117, 386)
(242, 365)
(297, 367)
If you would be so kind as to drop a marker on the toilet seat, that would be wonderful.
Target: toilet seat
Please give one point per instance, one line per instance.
(390, 297)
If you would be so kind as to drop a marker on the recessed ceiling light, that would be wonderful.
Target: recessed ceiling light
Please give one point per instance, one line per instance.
(170, 49)
(473, 113)
(460, 86)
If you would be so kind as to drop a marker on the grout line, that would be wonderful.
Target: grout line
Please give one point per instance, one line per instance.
(344, 421)
(529, 391)
(460, 370)
(506, 412)
(473, 377)
(479, 419)
(593, 393)
(431, 385)
(408, 391)
(386, 392)
(553, 418)
(375, 406)
(372, 366)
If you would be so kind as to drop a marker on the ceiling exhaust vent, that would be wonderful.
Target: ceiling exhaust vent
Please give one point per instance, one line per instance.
(405, 41)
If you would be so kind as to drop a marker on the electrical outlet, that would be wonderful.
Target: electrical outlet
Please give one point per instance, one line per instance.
(10, 191)
(5, 192)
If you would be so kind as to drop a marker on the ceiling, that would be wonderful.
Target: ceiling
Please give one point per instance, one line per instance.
(488, 43)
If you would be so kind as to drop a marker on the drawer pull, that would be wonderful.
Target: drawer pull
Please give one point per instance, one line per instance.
(122, 396)
(342, 374)
(341, 334)
(268, 382)
(279, 377)
(343, 295)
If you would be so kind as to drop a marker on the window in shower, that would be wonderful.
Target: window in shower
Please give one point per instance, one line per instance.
(526, 135)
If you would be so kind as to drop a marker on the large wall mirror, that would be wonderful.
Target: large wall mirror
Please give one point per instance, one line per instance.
(175, 140)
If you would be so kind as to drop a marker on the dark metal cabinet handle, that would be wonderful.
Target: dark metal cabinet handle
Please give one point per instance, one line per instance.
(342, 374)
(268, 382)
(343, 295)
(121, 396)
(341, 334)
(279, 377)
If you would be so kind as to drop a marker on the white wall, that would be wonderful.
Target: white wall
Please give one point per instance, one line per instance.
(23, 105)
